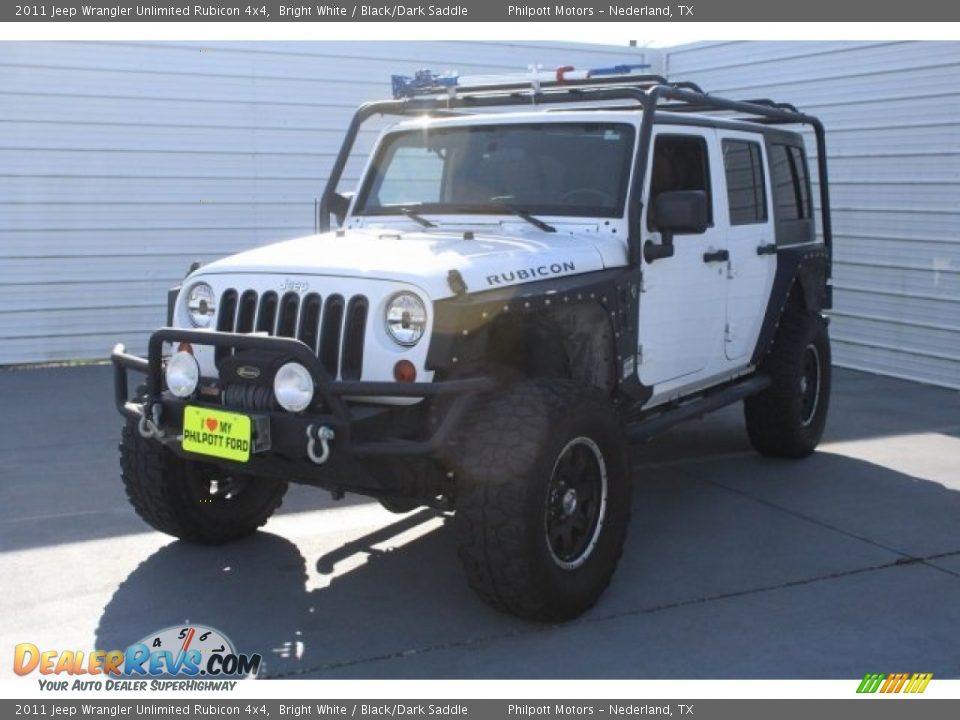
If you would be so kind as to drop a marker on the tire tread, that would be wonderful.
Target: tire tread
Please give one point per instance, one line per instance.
(771, 426)
(503, 442)
(153, 478)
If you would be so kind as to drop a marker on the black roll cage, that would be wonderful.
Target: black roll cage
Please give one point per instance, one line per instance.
(647, 90)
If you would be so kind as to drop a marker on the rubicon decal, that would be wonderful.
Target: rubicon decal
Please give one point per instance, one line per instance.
(191, 651)
(894, 682)
(532, 273)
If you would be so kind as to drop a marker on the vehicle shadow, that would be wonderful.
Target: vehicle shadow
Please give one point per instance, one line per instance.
(257, 592)
(746, 568)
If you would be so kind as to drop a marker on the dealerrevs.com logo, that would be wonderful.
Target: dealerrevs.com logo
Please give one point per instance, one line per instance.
(192, 657)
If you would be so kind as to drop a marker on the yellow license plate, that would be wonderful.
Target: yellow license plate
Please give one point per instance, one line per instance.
(216, 433)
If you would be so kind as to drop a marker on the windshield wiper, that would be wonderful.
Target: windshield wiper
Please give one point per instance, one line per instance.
(509, 209)
(416, 217)
(535, 221)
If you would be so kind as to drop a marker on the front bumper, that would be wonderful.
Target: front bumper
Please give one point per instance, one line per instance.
(360, 430)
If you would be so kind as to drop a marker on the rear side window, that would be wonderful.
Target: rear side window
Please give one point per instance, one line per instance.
(790, 193)
(746, 194)
(679, 163)
(800, 165)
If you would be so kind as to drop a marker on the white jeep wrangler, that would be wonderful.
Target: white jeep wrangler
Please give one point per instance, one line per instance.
(509, 300)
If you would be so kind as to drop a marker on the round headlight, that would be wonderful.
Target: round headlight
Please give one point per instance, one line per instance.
(183, 374)
(201, 305)
(406, 318)
(293, 387)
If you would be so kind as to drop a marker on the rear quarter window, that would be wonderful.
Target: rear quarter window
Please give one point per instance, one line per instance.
(791, 198)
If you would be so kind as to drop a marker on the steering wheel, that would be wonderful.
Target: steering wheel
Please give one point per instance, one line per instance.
(603, 197)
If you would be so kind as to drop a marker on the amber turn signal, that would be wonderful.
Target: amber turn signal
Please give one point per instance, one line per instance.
(404, 371)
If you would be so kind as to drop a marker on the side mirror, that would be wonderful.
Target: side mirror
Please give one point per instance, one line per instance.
(681, 212)
(678, 212)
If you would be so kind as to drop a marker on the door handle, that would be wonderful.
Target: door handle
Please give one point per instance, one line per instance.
(768, 249)
(716, 256)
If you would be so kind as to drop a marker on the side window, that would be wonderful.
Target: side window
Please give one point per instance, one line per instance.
(800, 165)
(679, 163)
(746, 195)
(414, 175)
(790, 196)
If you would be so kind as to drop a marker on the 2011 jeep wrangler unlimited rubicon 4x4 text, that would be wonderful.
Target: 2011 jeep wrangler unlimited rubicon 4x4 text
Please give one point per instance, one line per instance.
(506, 303)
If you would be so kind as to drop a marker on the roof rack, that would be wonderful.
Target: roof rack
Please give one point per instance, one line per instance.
(428, 93)
(425, 83)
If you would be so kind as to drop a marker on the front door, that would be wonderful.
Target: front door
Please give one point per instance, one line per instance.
(682, 304)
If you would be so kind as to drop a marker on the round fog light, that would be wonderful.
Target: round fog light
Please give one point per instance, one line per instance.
(183, 374)
(293, 387)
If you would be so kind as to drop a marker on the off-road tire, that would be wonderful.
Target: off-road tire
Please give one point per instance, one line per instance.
(781, 421)
(511, 446)
(172, 495)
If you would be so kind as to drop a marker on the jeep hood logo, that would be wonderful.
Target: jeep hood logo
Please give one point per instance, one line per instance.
(248, 372)
(531, 273)
(297, 286)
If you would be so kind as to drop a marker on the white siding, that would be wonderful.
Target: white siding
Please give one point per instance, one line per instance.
(892, 112)
(121, 163)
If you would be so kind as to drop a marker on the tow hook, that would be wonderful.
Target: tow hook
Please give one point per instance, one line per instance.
(149, 425)
(324, 434)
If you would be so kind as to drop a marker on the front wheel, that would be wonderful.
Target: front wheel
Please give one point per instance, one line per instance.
(191, 500)
(543, 499)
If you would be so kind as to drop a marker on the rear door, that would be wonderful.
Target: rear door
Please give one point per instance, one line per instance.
(750, 240)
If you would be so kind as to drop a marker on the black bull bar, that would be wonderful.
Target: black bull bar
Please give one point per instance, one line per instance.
(285, 426)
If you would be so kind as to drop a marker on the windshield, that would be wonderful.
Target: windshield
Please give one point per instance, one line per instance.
(543, 168)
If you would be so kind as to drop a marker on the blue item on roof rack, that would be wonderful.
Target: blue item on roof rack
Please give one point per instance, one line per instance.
(616, 70)
(426, 82)
(406, 86)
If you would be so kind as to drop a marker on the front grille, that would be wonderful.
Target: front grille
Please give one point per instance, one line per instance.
(332, 327)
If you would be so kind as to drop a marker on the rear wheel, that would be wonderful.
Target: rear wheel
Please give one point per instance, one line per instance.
(543, 499)
(787, 419)
(190, 500)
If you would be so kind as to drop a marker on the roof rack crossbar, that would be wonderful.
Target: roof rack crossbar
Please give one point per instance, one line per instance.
(773, 103)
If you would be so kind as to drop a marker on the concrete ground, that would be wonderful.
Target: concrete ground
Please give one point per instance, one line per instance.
(735, 566)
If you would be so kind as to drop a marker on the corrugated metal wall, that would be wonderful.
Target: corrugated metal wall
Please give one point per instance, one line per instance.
(122, 163)
(892, 112)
